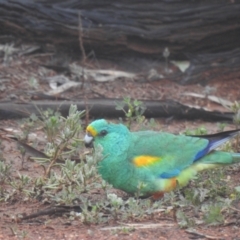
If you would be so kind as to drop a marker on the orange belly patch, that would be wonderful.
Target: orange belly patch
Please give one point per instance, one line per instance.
(171, 184)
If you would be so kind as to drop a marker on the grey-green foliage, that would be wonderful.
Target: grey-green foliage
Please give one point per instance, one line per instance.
(63, 179)
(5, 171)
(5, 177)
(69, 179)
(62, 134)
(76, 178)
(115, 208)
(183, 220)
(198, 131)
(213, 214)
(236, 109)
(133, 110)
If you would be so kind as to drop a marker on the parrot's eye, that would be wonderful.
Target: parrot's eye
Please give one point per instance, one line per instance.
(103, 133)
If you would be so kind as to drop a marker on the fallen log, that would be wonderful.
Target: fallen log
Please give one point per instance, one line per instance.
(116, 28)
(206, 33)
(106, 108)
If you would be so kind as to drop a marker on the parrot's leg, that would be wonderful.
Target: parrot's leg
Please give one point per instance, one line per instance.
(157, 195)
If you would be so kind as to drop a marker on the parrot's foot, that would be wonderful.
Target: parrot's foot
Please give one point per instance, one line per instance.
(157, 195)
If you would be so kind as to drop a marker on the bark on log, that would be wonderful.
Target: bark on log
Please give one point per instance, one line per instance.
(127, 28)
(205, 32)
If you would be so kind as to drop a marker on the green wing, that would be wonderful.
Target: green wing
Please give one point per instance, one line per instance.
(165, 154)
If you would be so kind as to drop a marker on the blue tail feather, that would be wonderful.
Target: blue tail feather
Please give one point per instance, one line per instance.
(215, 140)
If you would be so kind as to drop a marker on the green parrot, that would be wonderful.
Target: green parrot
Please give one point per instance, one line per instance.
(156, 161)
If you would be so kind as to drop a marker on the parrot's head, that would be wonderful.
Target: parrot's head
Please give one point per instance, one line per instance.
(104, 133)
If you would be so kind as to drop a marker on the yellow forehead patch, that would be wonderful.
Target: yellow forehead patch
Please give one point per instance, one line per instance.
(145, 160)
(91, 130)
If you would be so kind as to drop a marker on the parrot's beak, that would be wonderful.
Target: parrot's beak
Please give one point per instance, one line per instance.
(88, 139)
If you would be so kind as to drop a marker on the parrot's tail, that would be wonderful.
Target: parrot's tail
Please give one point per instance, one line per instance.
(235, 157)
(213, 160)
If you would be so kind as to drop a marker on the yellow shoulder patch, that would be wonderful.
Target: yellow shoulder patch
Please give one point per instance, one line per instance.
(145, 160)
(91, 130)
